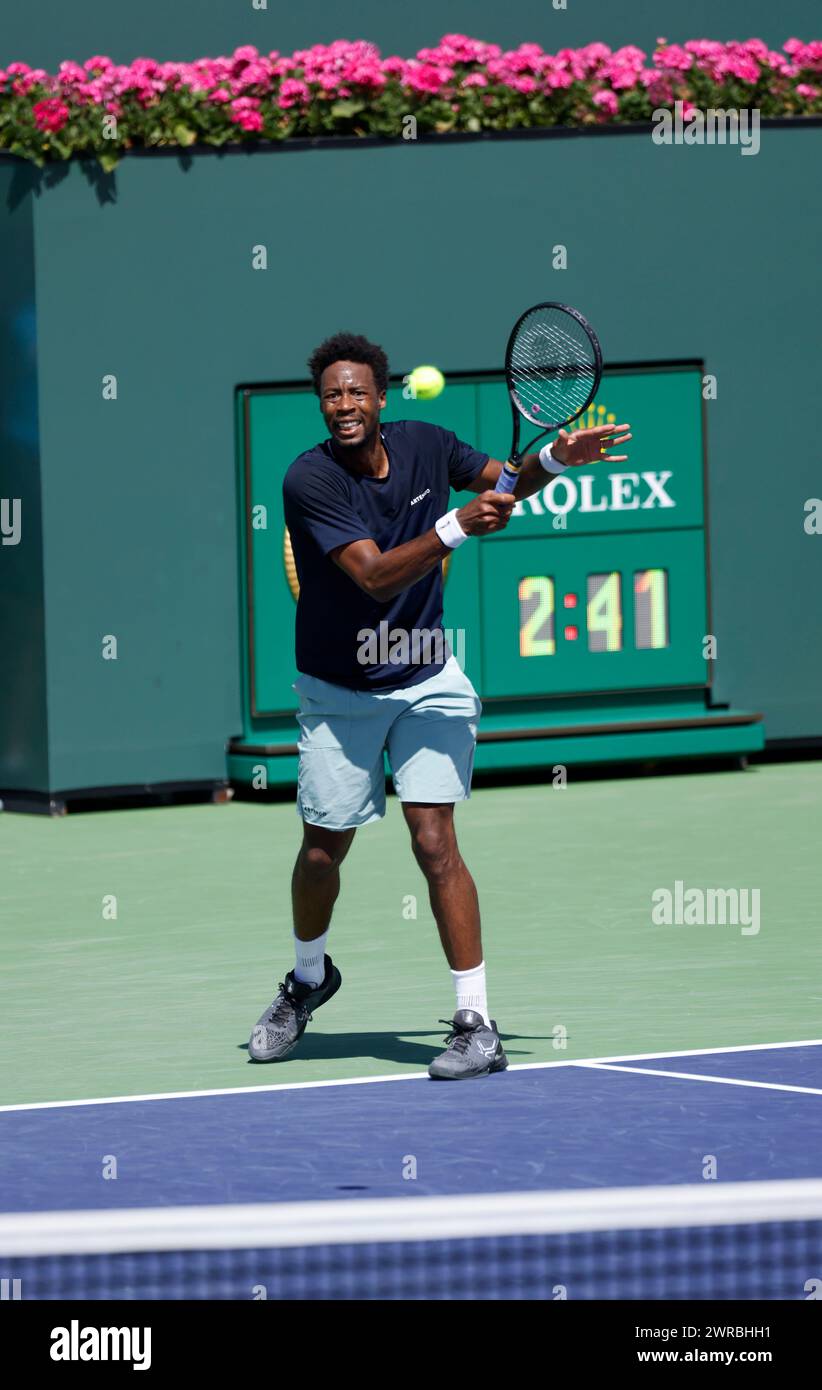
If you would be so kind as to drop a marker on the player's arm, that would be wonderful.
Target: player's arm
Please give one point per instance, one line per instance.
(532, 477)
(384, 574)
(569, 450)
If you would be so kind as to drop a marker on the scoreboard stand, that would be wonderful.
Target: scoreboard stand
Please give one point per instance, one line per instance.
(585, 625)
(620, 731)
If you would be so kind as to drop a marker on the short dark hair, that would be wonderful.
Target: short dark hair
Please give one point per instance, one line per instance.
(349, 347)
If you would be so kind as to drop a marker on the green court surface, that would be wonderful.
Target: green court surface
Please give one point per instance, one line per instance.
(163, 998)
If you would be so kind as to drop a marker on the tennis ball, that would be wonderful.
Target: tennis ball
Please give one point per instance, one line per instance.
(426, 383)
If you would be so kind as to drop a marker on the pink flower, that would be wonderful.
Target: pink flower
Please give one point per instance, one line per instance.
(220, 95)
(606, 101)
(365, 75)
(778, 61)
(35, 77)
(526, 85)
(51, 114)
(474, 79)
(71, 72)
(620, 78)
(427, 77)
(807, 55)
(658, 85)
(756, 48)
(245, 113)
(571, 59)
(624, 67)
(672, 56)
(457, 48)
(280, 66)
(805, 90)
(254, 74)
(594, 54)
(704, 48)
(292, 91)
(741, 65)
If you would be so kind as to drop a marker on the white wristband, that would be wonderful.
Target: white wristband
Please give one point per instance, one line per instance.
(449, 530)
(549, 463)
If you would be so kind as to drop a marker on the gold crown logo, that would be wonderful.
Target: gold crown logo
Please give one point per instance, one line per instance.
(594, 415)
(291, 568)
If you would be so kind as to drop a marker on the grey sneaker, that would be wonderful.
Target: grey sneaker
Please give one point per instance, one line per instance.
(473, 1049)
(282, 1025)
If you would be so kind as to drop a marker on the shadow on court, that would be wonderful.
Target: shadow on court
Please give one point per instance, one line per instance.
(387, 1047)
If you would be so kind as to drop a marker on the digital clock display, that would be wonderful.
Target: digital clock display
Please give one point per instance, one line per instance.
(603, 613)
(651, 627)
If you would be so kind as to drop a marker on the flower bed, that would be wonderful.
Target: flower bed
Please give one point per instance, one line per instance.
(101, 109)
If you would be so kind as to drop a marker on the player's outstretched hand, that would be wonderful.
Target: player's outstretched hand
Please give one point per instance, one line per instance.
(490, 511)
(591, 446)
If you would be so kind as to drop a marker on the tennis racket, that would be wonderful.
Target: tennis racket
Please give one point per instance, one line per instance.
(553, 367)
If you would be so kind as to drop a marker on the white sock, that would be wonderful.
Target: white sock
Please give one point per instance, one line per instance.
(310, 967)
(470, 987)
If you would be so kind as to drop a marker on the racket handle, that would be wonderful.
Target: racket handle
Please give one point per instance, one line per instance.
(507, 480)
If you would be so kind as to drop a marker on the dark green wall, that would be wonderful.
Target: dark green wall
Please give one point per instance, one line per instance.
(45, 31)
(23, 734)
(674, 253)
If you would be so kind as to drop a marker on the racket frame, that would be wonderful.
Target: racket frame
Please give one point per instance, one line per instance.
(514, 462)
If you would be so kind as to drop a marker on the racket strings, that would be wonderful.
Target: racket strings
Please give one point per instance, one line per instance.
(552, 366)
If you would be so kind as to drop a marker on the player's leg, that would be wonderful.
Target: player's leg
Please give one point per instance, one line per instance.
(473, 1047)
(315, 884)
(341, 785)
(315, 887)
(451, 889)
(431, 749)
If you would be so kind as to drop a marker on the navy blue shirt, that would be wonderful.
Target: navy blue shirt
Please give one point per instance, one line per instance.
(328, 504)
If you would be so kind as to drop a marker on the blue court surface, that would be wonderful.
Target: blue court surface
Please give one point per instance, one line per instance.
(694, 1175)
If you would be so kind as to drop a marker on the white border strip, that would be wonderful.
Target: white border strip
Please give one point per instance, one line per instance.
(272, 1225)
(701, 1076)
(394, 1076)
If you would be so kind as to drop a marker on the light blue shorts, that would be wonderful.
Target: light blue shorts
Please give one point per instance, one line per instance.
(429, 731)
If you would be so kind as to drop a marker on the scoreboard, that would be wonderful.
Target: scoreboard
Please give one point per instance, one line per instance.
(585, 625)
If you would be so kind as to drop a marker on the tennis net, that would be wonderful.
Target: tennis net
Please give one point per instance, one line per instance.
(757, 1241)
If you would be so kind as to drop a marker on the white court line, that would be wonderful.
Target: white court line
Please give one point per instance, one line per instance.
(701, 1076)
(376, 1219)
(402, 1076)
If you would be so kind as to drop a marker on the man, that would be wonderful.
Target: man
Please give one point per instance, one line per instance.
(368, 515)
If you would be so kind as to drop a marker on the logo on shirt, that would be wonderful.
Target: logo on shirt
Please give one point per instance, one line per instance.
(415, 500)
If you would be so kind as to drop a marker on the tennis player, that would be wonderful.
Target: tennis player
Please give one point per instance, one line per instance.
(370, 526)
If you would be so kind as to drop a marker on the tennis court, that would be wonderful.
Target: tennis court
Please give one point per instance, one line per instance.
(657, 1135)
